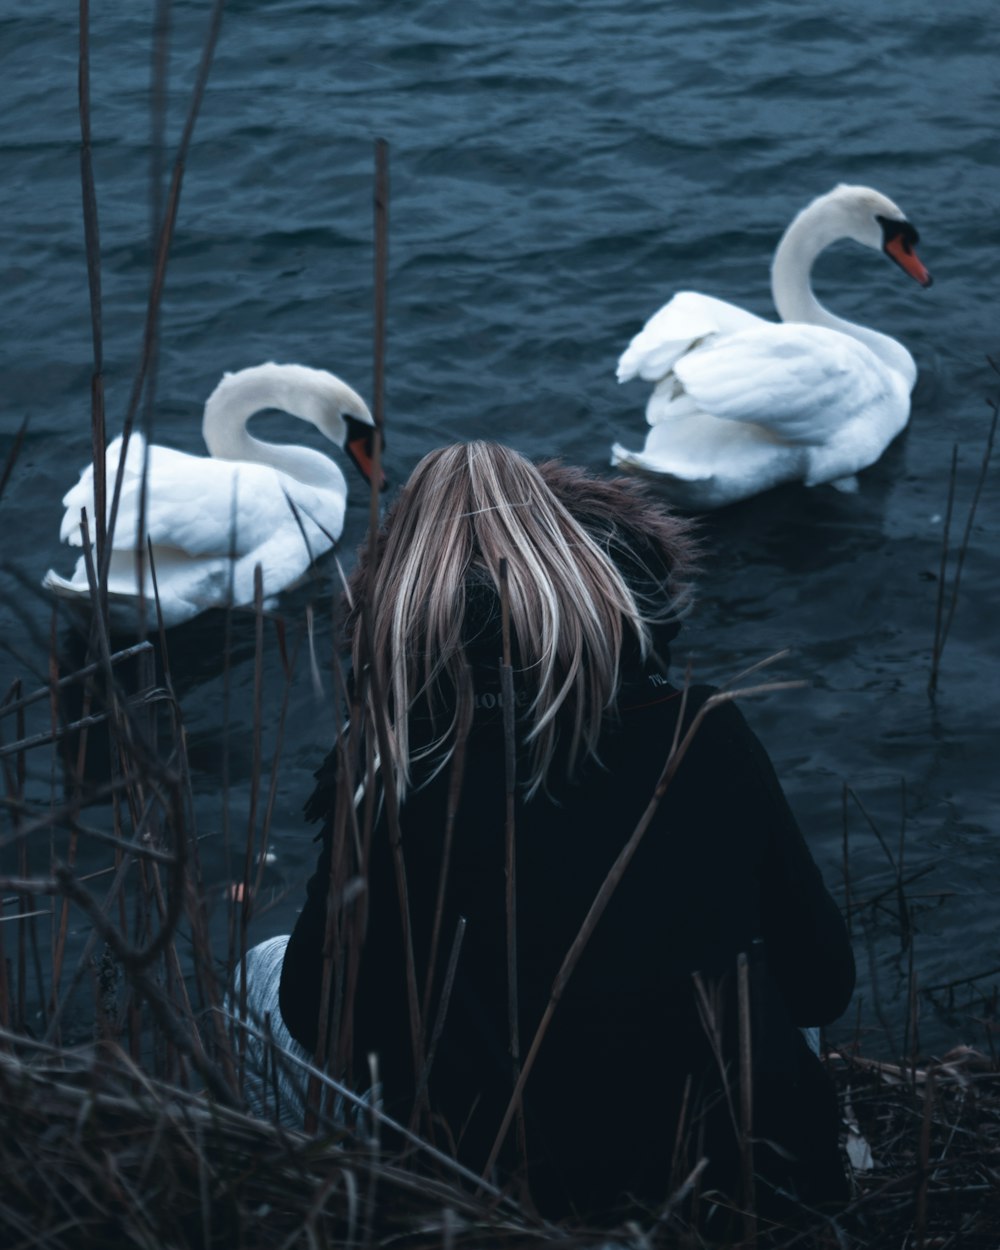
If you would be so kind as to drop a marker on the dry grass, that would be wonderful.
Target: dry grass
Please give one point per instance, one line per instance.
(926, 1140)
(93, 1152)
(136, 1133)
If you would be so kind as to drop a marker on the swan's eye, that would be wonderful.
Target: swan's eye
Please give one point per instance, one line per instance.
(900, 232)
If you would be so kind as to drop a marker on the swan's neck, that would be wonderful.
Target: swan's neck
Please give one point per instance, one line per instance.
(812, 231)
(292, 389)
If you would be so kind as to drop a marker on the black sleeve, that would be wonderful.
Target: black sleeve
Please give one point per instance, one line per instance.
(807, 948)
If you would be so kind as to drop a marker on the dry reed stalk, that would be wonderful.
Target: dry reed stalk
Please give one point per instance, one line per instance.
(710, 1019)
(335, 970)
(26, 922)
(338, 937)
(510, 864)
(920, 1204)
(329, 1029)
(381, 286)
(381, 250)
(158, 94)
(455, 780)
(91, 231)
(952, 985)
(332, 981)
(938, 646)
(227, 683)
(439, 1019)
(151, 326)
(971, 516)
(264, 840)
(746, 1100)
(376, 701)
(5, 995)
(354, 910)
(874, 901)
(13, 455)
(159, 68)
(257, 730)
(942, 623)
(51, 691)
(905, 920)
(680, 1136)
(846, 862)
(911, 1034)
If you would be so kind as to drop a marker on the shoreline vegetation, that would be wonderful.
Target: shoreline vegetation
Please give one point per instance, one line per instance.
(122, 1066)
(121, 1070)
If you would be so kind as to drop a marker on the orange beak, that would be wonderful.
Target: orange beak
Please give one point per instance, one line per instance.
(901, 251)
(360, 446)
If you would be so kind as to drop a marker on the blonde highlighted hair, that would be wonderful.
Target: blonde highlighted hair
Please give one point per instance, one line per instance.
(591, 565)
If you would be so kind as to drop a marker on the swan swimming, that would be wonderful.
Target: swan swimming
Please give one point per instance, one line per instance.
(211, 519)
(742, 404)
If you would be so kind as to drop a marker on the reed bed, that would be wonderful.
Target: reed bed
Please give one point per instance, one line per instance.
(104, 1156)
(122, 1066)
(94, 1151)
(925, 1146)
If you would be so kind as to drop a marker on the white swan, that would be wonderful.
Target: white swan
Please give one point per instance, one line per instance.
(212, 519)
(742, 404)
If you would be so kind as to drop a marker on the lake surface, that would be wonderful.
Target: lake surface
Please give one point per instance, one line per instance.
(557, 172)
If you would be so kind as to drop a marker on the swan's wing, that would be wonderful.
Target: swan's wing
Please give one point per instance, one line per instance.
(688, 319)
(204, 507)
(81, 496)
(201, 506)
(176, 484)
(802, 383)
(187, 585)
(218, 506)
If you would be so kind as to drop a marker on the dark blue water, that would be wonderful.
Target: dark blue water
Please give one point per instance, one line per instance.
(558, 171)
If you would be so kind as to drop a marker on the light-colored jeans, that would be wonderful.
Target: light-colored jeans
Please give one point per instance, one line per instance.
(272, 1081)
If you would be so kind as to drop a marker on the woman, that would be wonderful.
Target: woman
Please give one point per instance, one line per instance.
(635, 1079)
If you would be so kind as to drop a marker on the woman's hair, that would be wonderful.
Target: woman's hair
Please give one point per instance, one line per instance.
(591, 565)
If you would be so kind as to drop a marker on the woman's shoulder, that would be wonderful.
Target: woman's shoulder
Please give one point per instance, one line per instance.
(655, 694)
(651, 707)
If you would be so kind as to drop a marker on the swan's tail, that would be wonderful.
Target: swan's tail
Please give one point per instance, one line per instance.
(65, 588)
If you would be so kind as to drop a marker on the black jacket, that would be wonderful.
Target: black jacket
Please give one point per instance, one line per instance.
(722, 869)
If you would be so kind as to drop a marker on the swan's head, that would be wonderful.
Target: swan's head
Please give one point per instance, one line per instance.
(871, 218)
(313, 395)
(339, 412)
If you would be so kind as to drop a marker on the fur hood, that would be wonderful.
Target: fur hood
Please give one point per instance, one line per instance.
(655, 550)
